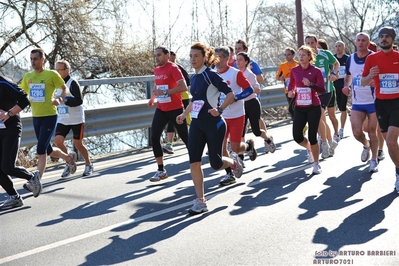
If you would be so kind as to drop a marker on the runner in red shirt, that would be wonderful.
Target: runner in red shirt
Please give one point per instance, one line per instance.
(169, 84)
(382, 69)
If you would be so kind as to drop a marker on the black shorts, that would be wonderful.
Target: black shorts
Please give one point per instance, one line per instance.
(342, 99)
(327, 100)
(387, 113)
(63, 130)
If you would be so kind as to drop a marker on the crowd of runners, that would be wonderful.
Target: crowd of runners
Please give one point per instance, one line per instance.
(213, 108)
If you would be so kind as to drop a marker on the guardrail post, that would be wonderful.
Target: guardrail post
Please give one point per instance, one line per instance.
(149, 85)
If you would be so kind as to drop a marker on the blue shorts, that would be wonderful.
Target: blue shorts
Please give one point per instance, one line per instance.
(364, 108)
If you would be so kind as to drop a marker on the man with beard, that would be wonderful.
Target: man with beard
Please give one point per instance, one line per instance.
(383, 68)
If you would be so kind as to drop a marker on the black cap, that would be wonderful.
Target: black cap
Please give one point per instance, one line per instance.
(388, 31)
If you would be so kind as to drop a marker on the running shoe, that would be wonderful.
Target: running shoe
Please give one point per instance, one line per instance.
(237, 167)
(341, 133)
(34, 184)
(88, 170)
(272, 146)
(168, 148)
(198, 207)
(381, 155)
(267, 148)
(365, 154)
(325, 150)
(66, 172)
(310, 157)
(316, 168)
(397, 183)
(336, 138)
(333, 144)
(251, 150)
(159, 175)
(320, 141)
(373, 166)
(72, 162)
(227, 179)
(12, 202)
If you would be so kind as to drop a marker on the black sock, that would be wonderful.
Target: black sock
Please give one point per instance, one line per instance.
(241, 156)
(268, 141)
(160, 167)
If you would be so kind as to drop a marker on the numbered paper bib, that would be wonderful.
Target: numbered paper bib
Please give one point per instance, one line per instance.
(63, 110)
(287, 83)
(196, 108)
(303, 96)
(222, 97)
(2, 126)
(323, 72)
(163, 98)
(341, 72)
(389, 83)
(37, 93)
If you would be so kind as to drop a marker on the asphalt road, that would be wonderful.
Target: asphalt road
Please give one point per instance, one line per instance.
(276, 214)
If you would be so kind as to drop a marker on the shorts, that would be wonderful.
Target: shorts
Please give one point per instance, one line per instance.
(364, 108)
(235, 126)
(327, 100)
(387, 113)
(63, 130)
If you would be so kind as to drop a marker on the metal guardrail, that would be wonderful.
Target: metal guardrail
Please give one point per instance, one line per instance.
(112, 118)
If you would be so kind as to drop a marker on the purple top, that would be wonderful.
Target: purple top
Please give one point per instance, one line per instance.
(317, 85)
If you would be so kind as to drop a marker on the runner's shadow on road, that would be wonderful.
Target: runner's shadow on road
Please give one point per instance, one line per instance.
(336, 195)
(270, 191)
(357, 228)
(299, 159)
(141, 244)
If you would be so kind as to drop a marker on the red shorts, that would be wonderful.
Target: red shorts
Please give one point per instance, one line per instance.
(235, 126)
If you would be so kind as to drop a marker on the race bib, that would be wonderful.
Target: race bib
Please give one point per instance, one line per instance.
(37, 92)
(222, 97)
(163, 98)
(323, 72)
(341, 72)
(389, 83)
(287, 83)
(63, 110)
(196, 108)
(303, 96)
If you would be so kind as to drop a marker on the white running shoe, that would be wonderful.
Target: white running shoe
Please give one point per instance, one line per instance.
(336, 138)
(310, 157)
(325, 150)
(373, 166)
(316, 168)
(333, 144)
(158, 176)
(88, 170)
(12, 202)
(168, 148)
(365, 154)
(237, 168)
(272, 145)
(341, 133)
(66, 172)
(198, 207)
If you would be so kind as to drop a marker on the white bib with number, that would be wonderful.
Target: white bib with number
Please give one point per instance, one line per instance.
(389, 83)
(196, 108)
(37, 92)
(163, 98)
(63, 110)
(303, 96)
(341, 72)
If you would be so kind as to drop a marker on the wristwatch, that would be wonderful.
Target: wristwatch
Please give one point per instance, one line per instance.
(332, 72)
(220, 109)
(9, 113)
